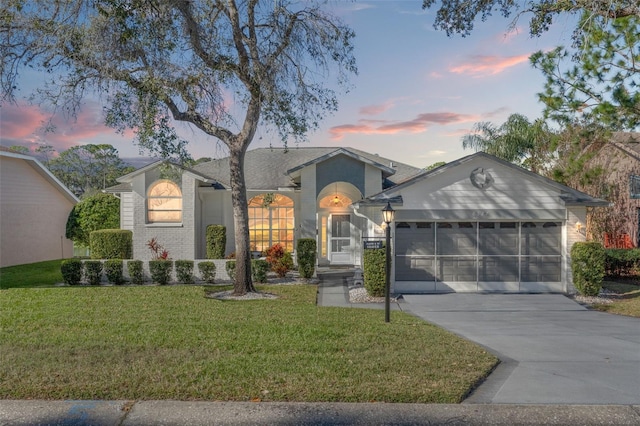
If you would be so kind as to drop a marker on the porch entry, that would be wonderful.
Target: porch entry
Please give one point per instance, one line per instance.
(335, 239)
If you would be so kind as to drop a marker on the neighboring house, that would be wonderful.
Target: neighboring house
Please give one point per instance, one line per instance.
(475, 224)
(618, 181)
(34, 207)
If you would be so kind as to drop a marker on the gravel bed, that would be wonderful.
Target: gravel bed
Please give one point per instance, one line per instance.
(360, 295)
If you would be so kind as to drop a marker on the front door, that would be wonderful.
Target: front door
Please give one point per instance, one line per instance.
(340, 245)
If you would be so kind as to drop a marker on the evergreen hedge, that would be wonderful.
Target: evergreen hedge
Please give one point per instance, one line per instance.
(93, 271)
(71, 270)
(136, 271)
(207, 272)
(111, 244)
(113, 269)
(216, 241)
(587, 265)
(184, 271)
(160, 271)
(373, 271)
(259, 269)
(306, 251)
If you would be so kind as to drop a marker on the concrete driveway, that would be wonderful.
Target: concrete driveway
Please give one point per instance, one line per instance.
(553, 350)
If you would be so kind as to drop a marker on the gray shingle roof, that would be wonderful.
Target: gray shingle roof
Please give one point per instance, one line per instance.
(265, 167)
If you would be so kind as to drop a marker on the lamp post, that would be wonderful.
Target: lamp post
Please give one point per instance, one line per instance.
(387, 215)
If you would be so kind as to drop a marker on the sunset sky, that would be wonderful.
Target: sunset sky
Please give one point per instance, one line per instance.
(417, 93)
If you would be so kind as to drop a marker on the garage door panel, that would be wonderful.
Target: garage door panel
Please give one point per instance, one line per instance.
(541, 269)
(415, 240)
(415, 269)
(499, 269)
(456, 238)
(451, 269)
(499, 238)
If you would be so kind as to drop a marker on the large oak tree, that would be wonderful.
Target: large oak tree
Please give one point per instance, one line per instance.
(223, 66)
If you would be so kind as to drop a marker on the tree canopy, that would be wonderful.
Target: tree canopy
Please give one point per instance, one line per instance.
(87, 168)
(517, 140)
(99, 211)
(459, 16)
(224, 67)
(601, 85)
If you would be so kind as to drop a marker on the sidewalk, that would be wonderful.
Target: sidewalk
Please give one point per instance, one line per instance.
(170, 413)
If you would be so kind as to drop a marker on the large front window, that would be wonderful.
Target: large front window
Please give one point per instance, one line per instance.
(164, 202)
(271, 221)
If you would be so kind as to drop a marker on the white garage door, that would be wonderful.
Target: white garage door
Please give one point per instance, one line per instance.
(478, 256)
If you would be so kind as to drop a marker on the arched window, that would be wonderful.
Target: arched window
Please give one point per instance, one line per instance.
(164, 202)
(271, 221)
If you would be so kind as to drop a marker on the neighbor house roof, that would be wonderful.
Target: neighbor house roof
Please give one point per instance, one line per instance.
(569, 195)
(273, 168)
(627, 142)
(42, 171)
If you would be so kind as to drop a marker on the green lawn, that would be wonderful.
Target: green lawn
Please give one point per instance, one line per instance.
(41, 274)
(153, 342)
(628, 301)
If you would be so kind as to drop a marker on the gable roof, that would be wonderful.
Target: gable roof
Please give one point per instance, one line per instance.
(628, 143)
(42, 171)
(569, 195)
(129, 177)
(273, 168)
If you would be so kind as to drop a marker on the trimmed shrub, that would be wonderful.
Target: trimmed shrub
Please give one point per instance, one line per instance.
(161, 271)
(622, 262)
(230, 267)
(216, 241)
(136, 271)
(184, 271)
(373, 272)
(207, 272)
(279, 259)
(93, 271)
(307, 252)
(587, 265)
(259, 269)
(71, 271)
(113, 270)
(111, 244)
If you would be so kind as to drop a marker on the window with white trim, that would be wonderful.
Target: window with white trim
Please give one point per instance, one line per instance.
(271, 221)
(164, 202)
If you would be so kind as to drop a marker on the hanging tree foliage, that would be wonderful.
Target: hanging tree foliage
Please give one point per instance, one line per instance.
(223, 66)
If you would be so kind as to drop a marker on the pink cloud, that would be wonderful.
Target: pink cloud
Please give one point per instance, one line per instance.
(376, 109)
(483, 65)
(23, 125)
(417, 125)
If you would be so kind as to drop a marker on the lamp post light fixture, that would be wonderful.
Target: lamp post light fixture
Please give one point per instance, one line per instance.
(387, 215)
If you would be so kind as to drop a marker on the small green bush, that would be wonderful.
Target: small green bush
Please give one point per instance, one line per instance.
(114, 271)
(230, 267)
(207, 272)
(71, 271)
(587, 265)
(136, 271)
(184, 271)
(373, 272)
(160, 271)
(93, 271)
(216, 241)
(111, 244)
(259, 269)
(307, 253)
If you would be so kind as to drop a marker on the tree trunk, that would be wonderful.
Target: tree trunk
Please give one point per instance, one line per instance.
(242, 283)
